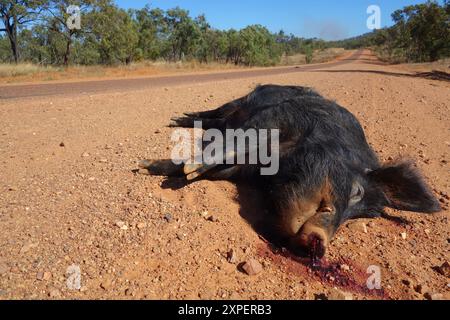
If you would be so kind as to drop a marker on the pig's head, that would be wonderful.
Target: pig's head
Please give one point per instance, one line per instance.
(312, 219)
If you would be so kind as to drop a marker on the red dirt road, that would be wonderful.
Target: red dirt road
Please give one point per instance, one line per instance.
(70, 201)
(121, 85)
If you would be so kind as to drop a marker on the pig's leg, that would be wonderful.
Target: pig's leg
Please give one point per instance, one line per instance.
(189, 122)
(161, 168)
(221, 112)
(194, 171)
(216, 173)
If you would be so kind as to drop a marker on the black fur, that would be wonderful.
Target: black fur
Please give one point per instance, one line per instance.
(320, 140)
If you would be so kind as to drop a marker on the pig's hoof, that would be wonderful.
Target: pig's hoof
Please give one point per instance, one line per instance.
(143, 172)
(194, 171)
(193, 176)
(145, 164)
(190, 168)
(156, 167)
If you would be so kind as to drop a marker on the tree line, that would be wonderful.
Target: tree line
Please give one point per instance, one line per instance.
(37, 31)
(421, 33)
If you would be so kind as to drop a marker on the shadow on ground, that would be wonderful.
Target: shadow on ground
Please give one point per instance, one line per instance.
(433, 75)
(253, 208)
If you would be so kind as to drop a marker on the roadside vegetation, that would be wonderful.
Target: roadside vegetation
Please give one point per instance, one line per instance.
(36, 32)
(421, 33)
(36, 43)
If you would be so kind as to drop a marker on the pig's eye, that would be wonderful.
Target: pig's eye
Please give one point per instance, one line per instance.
(357, 193)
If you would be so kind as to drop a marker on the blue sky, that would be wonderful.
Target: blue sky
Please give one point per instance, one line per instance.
(329, 19)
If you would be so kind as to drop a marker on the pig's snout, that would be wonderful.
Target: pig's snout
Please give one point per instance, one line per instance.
(315, 235)
(315, 239)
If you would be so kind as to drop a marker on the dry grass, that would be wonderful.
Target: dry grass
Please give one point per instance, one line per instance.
(22, 69)
(10, 73)
(442, 65)
(318, 57)
(26, 72)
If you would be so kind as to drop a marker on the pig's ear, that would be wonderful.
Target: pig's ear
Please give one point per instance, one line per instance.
(404, 188)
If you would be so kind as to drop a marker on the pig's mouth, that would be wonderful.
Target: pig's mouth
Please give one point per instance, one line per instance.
(316, 250)
(312, 244)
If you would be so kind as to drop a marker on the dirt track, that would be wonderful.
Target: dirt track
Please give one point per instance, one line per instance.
(121, 85)
(68, 195)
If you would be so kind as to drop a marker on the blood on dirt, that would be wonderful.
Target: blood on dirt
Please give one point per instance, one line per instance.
(326, 272)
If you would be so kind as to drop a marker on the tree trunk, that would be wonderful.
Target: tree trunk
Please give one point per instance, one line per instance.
(67, 53)
(14, 51)
(11, 31)
(14, 47)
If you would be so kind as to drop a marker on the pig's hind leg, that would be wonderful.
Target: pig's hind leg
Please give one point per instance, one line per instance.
(161, 168)
(190, 122)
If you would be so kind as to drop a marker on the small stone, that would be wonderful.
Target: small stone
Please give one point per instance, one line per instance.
(320, 296)
(422, 289)
(129, 292)
(204, 214)
(83, 289)
(122, 225)
(337, 294)
(157, 131)
(103, 160)
(106, 285)
(252, 267)
(345, 267)
(444, 269)
(62, 144)
(12, 188)
(141, 225)
(231, 256)
(168, 217)
(434, 296)
(404, 235)
(358, 226)
(28, 247)
(3, 268)
(85, 155)
(213, 219)
(427, 231)
(54, 293)
(180, 236)
(47, 275)
(43, 276)
(407, 282)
